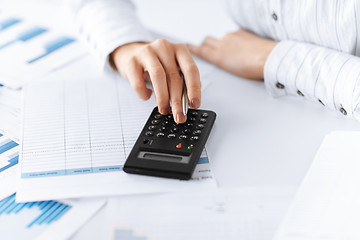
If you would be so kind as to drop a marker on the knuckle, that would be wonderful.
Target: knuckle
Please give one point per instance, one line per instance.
(191, 68)
(173, 75)
(176, 103)
(180, 46)
(132, 60)
(161, 42)
(147, 50)
(158, 72)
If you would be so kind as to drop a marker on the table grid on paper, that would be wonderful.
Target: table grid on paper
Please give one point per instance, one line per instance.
(92, 128)
(83, 134)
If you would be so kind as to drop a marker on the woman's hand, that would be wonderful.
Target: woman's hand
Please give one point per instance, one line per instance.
(159, 62)
(241, 53)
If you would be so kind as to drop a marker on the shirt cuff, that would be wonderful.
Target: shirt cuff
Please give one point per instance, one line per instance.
(316, 73)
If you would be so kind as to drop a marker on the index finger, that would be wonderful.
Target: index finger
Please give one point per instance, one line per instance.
(191, 75)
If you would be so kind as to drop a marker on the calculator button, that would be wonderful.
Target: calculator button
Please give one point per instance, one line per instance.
(200, 126)
(174, 130)
(169, 117)
(194, 113)
(171, 136)
(155, 121)
(197, 132)
(178, 146)
(149, 133)
(186, 130)
(189, 125)
(204, 115)
(194, 138)
(162, 129)
(165, 123)
(190, 147)
(160, 134)
(202, 120)
(152, 128)
(183, 137)
(158, 116)
(192, 119)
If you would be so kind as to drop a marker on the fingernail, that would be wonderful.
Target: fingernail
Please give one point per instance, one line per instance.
(180, 117)
(164, 111)
(195, 103)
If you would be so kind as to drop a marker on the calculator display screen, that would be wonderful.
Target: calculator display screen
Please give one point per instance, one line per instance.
(164, 157)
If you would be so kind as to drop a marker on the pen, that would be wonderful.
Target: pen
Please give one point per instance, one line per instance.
(184, 100)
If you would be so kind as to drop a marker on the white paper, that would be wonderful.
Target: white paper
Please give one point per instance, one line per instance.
(29, 50)
(327, 203)
(10, 109)
(9, 157)
(46, 219)
(249, 213)
(76, 137)
(10, 97)
(10, 121)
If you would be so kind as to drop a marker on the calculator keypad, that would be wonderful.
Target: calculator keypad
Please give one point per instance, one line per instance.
(181, 135)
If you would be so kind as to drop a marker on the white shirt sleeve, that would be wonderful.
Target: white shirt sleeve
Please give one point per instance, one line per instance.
(105, 25)
(317, 73)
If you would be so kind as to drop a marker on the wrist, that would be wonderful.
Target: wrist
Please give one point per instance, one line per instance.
(267, 49)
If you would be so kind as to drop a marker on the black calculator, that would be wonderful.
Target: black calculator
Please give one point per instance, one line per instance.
(167, 149)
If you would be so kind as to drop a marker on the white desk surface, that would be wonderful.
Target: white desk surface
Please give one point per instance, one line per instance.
(257, 140)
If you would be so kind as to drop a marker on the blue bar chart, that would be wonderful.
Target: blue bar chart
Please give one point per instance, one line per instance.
(8, 23)
(52, 47)
(25, 36)
(9, 155)
(9, 159)
(40, 219)
(7, 146)
(29, 50)
(12, 162)
(48, 211)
